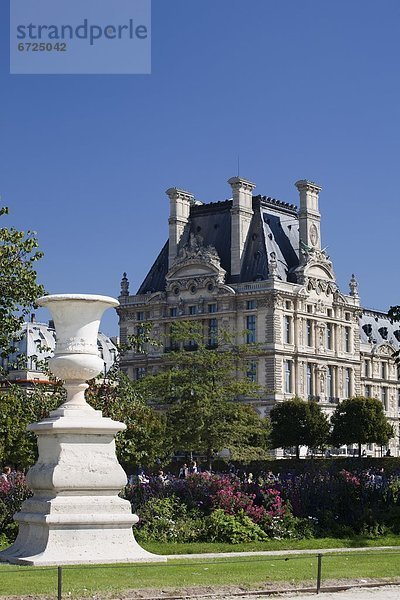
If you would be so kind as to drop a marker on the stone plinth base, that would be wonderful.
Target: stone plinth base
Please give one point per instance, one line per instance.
(75, 515)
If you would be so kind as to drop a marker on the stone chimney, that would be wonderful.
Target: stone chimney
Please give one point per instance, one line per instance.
(309, 215)
(180, 203)
(241, 214)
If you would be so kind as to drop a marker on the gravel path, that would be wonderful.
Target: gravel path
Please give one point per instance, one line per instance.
(282, 552)
(389, 592)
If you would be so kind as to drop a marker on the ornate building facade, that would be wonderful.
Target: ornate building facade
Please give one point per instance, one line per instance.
(255, 267)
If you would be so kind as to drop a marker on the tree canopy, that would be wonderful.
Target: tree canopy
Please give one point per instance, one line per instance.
(19, 408)
(298, 423)
(144, 441)
(18, 286)
(360, 421)
(200, 391)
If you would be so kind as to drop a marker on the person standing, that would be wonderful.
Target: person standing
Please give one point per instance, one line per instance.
(6, 473)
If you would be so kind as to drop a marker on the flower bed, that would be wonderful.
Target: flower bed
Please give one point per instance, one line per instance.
(226, 508)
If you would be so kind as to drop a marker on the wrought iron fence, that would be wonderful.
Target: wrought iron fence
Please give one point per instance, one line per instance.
(133, 569)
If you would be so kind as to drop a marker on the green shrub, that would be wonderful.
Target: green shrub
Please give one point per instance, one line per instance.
(169, 520)
(233, 529)
(289, 527)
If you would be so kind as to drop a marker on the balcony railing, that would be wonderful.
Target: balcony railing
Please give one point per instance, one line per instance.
(254, 285)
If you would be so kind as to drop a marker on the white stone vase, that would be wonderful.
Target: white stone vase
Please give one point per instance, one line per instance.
(76, 356)
(75, 515)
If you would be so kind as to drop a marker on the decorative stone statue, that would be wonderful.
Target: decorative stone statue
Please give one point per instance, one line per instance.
(353, 285)
(75, 514)
(273, 266)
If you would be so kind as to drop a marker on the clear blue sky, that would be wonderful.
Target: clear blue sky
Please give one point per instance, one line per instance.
(299, 88)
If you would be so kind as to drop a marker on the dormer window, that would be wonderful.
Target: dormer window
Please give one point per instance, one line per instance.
(367, 328)
(384, 332)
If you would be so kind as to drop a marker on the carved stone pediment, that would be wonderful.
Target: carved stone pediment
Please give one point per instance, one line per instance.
(156, 297)
(384, 350)
(226, 290)
(339, 298)
(314, 263)
(320, 286)
(196, 262)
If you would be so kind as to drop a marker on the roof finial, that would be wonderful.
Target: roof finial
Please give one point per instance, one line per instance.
(124, 285)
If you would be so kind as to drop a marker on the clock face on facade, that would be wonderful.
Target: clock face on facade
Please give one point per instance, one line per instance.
(314, 234)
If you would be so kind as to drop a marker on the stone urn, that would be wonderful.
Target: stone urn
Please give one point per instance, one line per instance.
(75, 515)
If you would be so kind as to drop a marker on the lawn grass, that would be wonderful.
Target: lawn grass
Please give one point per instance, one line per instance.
(248, 572)
(314, 543)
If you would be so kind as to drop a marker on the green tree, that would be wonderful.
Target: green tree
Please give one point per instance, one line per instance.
(201, 390)
(18, 286)
(19, 408)
(360, 421)
(144, 440)
(298, 423)
(318, 427)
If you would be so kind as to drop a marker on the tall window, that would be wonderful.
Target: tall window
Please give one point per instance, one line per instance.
(288, 364)
(329, 336)
(309, 333)
(384, 370)
(251, 372)
(173, 311)
(139, 345)
(212, 332)
(140, 316)
(251, 304)
(347, 346)
(347, 383)
(140, 372)
(212, 308)
(384, 397)
(368, 391)
(310, 380)
(173, 343)
(192, 310)
(287, 323)
(366, 368)
(287, 326)
(329, 382)
(251, 329)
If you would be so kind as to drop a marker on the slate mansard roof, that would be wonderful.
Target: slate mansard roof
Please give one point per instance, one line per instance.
(274, 228)
(376, 329)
